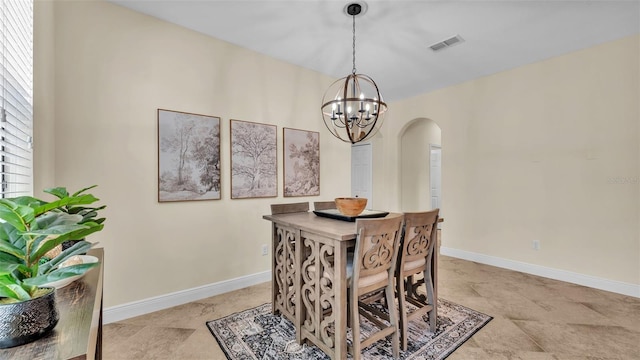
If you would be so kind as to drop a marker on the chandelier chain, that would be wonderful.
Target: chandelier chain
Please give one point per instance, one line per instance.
(353, 71)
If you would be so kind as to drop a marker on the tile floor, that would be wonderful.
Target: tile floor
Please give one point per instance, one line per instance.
(534, 318)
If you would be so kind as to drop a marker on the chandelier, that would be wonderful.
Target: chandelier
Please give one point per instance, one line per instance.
(352, 107)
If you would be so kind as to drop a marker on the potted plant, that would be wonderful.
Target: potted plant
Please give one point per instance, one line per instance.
(29, 229)
(88, 213)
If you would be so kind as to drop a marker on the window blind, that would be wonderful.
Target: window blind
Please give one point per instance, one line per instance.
(16, 97)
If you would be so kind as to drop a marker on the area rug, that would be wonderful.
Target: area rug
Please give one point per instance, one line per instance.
(258, 334)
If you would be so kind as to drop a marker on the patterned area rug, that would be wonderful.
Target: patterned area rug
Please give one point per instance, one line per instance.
(258, 334)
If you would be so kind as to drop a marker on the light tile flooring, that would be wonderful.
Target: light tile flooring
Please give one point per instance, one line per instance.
(534, 318)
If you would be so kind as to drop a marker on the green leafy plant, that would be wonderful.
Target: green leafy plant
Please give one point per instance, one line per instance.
(87, 213)
(31, 227)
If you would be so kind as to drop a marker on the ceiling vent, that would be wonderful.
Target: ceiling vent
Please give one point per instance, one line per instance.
(446, 43)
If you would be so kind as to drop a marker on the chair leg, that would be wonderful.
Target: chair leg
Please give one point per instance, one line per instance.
(433, 314)
(355, 324)
(393, 320)
(348, 312)
(403, 312)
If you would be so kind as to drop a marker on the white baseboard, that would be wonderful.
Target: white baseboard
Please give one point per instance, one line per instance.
(562, 275)
(141, 307)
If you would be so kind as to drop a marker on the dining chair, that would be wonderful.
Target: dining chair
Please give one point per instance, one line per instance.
(415, 257)
(372, 269)
(283, 264)
(324, 205)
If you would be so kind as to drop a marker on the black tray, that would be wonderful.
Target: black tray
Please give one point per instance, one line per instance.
(335, 214)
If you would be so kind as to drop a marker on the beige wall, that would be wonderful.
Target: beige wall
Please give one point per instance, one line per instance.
(548, 151)
(43, 96)
(532, 153)
(102, 71)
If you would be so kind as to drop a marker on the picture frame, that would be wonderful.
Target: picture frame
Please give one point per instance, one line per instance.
(188, 156)
(254, 160)
(301, 160)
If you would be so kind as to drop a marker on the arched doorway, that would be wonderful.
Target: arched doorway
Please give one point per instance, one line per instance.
(419, 139)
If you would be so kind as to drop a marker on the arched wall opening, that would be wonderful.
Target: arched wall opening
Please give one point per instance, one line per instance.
(416, 140)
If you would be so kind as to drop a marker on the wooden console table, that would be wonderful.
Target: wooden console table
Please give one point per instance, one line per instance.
(78, 334)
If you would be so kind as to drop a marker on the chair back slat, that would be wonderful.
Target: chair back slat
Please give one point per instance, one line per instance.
(377, 246)
(324, 205)
(289, 208)
(419, 235)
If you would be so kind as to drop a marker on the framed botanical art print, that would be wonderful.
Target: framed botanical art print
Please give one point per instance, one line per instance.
(188, 156)
(253, 160)
(301, 162)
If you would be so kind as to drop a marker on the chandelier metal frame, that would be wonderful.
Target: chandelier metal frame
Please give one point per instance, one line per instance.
(348, 110)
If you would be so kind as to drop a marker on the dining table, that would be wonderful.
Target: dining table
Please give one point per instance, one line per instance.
(309, 276)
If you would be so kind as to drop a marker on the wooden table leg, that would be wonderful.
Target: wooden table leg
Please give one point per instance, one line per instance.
(300, 310)
(284, 271)
(434, 268)
(340, 282)
(323, 317)
(274, 283)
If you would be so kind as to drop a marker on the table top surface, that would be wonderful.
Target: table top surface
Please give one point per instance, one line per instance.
(308, 221)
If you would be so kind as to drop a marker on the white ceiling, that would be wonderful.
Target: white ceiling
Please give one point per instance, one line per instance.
(393, 37)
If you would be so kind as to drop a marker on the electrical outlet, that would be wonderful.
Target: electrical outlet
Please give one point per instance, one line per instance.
(535, 244)
(265, 249)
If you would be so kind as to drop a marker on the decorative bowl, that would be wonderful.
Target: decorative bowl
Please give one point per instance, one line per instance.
(351, 206)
